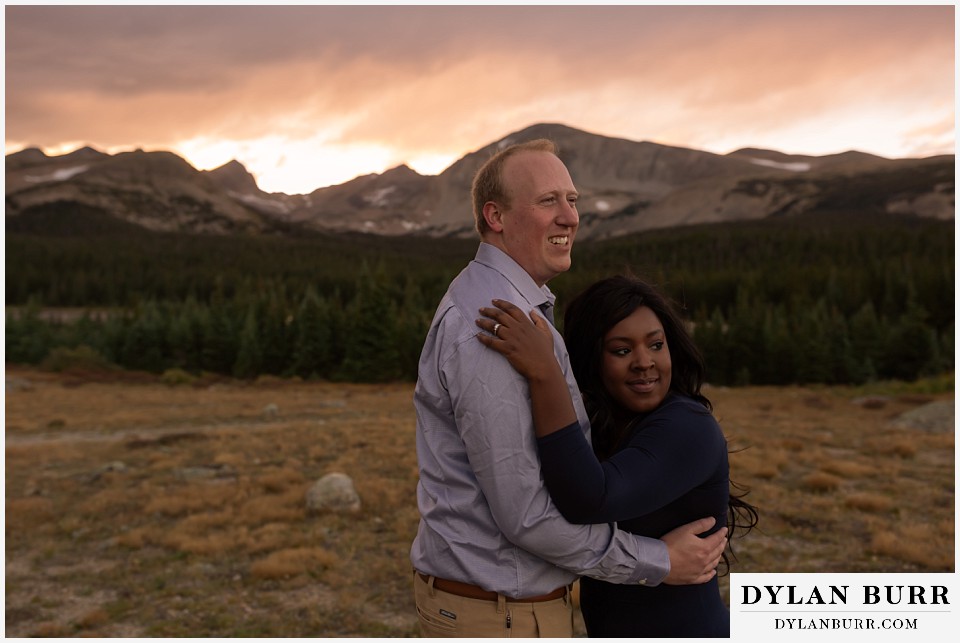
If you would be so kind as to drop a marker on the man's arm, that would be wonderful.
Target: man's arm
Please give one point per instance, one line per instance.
(694, 560)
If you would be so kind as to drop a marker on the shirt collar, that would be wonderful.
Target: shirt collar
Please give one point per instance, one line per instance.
(495, 258)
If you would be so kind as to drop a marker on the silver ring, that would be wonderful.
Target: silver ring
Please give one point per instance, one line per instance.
(496, 327)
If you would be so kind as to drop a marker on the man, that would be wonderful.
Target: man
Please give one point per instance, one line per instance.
(492, 555)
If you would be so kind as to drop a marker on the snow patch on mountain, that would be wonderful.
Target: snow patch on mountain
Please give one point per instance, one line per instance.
(261, 203)
(792, 167)
(58, 175)
(379, 198)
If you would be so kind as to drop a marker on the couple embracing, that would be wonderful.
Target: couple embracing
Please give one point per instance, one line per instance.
(545, 458)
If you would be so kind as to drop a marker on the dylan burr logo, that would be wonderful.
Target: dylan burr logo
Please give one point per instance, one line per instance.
(872, 595)
(867, 605)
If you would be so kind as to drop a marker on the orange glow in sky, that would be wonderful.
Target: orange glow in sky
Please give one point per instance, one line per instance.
(309, 96)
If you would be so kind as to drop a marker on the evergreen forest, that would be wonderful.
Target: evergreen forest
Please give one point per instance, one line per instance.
(832, 297)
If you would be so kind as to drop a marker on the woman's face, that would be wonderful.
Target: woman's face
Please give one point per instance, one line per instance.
(635, 366)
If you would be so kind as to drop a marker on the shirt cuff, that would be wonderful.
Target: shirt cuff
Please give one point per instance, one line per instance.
(653, 564)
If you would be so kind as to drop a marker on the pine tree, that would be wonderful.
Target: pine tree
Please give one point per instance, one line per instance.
(413, 322)
(744, 338)
(710, 337)
(275, 334)
(219, 351)
(811, 335)
(249, 353)
(144, 342)
(840, 358)
(370, 352)
(185, 336)
(866, 343)
(947, 343)
(911, 348)
(28, 338)
(782, 354)
(312, 354)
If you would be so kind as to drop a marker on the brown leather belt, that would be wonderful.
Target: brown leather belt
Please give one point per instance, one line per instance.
(473, 591)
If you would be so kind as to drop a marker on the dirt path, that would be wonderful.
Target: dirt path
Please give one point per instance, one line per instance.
(157, 434)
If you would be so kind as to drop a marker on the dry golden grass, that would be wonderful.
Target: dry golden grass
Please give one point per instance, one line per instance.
(139, 509)
(839, 488)
(93, 619)
(821, 482)
(849, 469)
(24, 513)
(292, 562)
(900, 447)
(926, 545)
(871, 502)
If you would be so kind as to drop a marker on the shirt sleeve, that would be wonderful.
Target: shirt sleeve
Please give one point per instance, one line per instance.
(493, 414)
(673, 451)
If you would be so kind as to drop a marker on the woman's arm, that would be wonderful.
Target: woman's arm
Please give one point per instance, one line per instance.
(529, 349)
(676, 449)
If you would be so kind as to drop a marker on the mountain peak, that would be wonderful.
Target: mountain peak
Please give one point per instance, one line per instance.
(232, 175)
(400, 172)
(25, 157)
(231, 166)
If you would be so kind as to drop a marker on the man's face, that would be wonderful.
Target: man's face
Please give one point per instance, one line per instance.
(541, 220)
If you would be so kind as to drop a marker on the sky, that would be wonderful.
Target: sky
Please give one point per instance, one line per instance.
(310, 96)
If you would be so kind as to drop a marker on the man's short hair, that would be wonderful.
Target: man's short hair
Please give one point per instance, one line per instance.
(488, 181)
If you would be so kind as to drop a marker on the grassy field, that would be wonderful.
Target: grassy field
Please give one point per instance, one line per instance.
(137, 508)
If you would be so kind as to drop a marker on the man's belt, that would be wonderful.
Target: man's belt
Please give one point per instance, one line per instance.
(467, 590)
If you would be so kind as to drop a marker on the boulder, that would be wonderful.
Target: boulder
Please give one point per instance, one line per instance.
(333, 492)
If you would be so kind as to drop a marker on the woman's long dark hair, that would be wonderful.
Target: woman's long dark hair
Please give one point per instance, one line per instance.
(587, 319)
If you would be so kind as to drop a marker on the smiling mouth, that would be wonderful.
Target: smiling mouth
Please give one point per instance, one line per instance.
(643, 386)
(560, 241)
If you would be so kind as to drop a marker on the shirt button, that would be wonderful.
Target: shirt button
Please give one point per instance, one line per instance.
(643, 581)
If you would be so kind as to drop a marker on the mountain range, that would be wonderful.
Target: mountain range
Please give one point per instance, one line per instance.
(625, 186)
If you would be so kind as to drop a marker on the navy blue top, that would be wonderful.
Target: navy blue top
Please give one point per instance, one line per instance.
(672, 470)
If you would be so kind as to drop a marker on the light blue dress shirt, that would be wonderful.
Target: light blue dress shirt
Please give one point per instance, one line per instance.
(486, 517)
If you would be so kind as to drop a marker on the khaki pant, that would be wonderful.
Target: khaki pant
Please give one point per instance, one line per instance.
(448, 615)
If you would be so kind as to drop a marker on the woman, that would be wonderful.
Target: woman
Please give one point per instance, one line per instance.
(659, 458)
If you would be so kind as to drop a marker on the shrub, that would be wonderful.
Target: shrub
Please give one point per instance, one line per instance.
(903, 448)
(176, 377)
(81, 358)
(821, 482)
(281, 480)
